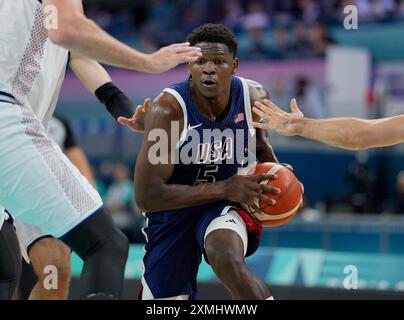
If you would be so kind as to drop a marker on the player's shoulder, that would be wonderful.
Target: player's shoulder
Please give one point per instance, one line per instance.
(166, 107)
(256, 89)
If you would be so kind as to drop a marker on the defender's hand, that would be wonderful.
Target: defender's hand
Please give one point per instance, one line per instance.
(136, 123)
(277, 119)
(169, 57)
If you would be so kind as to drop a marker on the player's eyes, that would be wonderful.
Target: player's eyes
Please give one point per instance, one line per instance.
(200, 61)
(219, 61)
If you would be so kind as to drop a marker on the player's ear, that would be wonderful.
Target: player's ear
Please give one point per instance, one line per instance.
(235, 65)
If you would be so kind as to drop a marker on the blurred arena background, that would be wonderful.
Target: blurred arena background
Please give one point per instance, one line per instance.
(352, 224)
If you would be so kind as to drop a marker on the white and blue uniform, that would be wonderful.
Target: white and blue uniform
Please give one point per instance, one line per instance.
(28, 234)
(39, 185)
(176, 238)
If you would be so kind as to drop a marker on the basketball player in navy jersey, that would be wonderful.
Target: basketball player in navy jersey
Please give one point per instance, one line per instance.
(192, 207)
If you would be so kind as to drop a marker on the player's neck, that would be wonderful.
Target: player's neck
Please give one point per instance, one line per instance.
(212, 108)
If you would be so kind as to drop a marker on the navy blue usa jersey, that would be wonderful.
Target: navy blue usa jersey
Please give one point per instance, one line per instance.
(209, 150)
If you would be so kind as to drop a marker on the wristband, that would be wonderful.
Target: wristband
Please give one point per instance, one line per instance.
(116, 102)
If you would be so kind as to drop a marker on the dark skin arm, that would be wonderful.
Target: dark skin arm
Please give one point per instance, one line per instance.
(153, 193)
(264, 152)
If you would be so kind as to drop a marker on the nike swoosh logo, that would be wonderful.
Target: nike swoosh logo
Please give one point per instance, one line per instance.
(193, 127)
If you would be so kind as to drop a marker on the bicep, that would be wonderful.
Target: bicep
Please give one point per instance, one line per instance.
(264, 150)
(64, 8)
(257, 93)
(154, 166)
(65, 14)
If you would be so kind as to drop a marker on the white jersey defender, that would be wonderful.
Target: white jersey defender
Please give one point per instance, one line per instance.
(39, 185)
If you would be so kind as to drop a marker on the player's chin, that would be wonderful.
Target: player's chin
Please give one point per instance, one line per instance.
(210, 93)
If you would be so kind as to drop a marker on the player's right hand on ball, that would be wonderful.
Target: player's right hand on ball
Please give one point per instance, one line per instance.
(246, 189)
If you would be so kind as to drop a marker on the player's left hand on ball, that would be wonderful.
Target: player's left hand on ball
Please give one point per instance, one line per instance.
(136, 123)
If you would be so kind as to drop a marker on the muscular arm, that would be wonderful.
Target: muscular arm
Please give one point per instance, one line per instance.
(152, 191)
(79, 34)
(265, 152)
(353, 133)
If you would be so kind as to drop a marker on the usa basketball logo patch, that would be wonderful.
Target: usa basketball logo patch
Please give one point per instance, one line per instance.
(239, 117)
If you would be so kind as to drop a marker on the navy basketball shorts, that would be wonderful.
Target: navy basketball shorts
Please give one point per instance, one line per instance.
(175, 246)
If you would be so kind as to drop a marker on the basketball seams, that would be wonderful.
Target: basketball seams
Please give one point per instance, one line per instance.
(284, 193)
(263, 216)
(279, 216)
(272, 170)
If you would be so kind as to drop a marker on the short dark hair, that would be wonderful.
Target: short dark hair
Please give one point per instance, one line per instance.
(216, 33)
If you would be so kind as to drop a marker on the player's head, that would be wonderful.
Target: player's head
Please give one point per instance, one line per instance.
(211, 73)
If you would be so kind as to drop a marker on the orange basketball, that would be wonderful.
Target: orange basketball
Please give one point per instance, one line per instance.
(288, 201)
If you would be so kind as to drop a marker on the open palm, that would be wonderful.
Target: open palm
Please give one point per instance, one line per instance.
(275, 118)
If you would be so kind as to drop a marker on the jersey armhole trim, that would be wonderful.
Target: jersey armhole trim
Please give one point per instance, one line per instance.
(247, 106)
(183, 135)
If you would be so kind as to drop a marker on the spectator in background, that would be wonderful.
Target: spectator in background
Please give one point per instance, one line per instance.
(148, 43)
(283, 12)
(162, 16)
(370, 10)
(321, 39)
(301, 46)
(255, 22)
(279, 91)
(281, 47)
(256, 17)
(329, 10)
(191, 18)
(233, 13)
(310, 11)
(119, 200)
(400, 9)
(256, 46)
(381, 9)
(309, 97)
(363, 9)
(101, 17)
